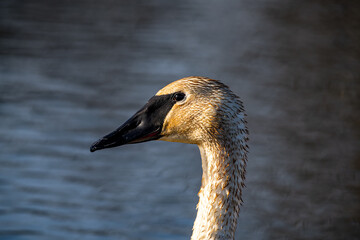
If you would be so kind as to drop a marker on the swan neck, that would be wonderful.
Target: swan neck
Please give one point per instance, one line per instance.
(220, 193)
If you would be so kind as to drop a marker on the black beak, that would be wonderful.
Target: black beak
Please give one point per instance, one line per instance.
(145, 125)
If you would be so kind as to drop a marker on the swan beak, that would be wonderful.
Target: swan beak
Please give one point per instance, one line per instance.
(129, 132)
(145, 125)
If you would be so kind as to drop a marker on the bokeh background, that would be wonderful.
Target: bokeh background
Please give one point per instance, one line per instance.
(72, 71)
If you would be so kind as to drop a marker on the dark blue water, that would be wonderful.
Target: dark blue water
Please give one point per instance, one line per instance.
(72, 71)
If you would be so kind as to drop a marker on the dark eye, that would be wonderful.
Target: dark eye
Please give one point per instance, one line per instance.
(178, 96)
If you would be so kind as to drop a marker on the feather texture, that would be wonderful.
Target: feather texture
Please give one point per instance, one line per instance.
(212, 117)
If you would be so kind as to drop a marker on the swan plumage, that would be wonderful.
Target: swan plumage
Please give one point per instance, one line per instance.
(202, 111)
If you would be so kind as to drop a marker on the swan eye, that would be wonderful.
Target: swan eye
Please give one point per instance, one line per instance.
(179, 96)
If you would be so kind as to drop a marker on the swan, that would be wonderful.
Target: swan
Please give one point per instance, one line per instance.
(202, 111)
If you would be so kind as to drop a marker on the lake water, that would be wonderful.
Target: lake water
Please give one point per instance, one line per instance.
(72, 71)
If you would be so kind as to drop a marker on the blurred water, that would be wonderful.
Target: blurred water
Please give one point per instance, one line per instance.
(71, 71)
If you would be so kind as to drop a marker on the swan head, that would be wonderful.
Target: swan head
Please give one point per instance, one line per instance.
(190, 110)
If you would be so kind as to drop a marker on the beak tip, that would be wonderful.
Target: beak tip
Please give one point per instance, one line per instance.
(95, 146)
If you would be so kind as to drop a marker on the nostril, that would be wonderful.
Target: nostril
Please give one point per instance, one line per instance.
(134, 124)
(130, 126)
